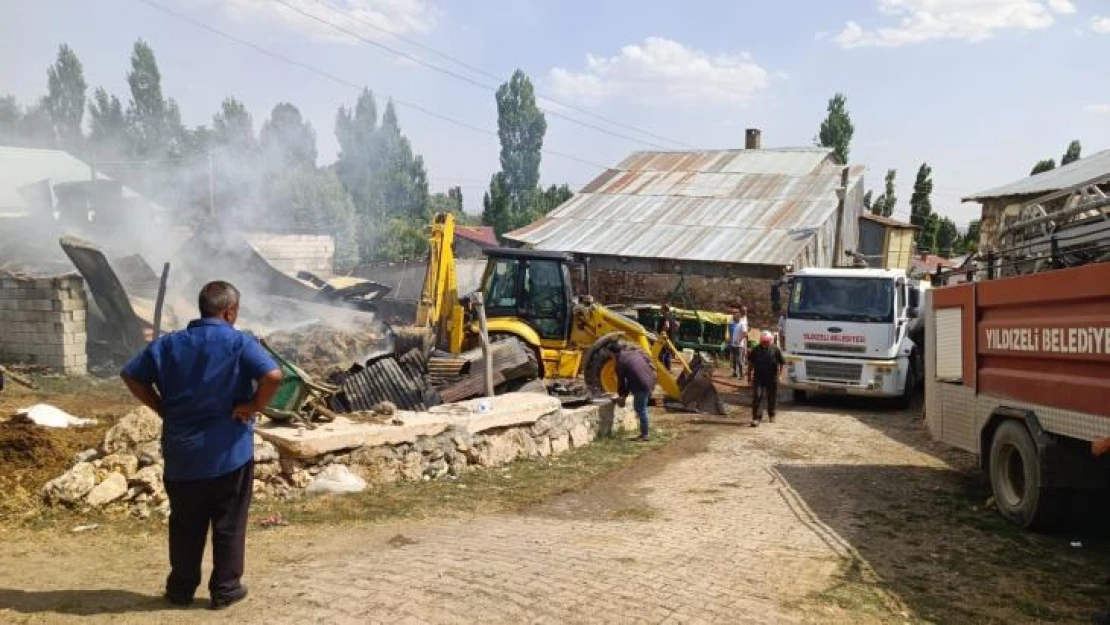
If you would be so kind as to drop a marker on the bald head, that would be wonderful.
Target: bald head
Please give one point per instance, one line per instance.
(219, 299)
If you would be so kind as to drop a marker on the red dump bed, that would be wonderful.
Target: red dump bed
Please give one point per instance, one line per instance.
(1042, 339)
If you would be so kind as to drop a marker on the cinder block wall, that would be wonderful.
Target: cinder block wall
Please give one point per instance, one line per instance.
(290, 253)
(42, 322)
(709, 293)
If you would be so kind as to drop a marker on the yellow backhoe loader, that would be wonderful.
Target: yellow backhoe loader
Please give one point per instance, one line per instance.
(528, 297)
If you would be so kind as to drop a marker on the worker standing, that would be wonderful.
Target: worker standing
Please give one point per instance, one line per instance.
(765, 364)
(668, 326)
(206, 383)
(635, 375)
(738, 340)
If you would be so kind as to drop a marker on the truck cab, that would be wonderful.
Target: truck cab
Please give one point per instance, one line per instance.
(853, 331)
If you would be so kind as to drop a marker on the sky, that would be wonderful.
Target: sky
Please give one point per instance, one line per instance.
(978, 89)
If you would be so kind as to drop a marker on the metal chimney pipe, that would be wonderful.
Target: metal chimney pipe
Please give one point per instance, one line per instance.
(753, 139)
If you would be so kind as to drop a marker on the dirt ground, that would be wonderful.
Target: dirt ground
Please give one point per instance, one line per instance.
(839, 512)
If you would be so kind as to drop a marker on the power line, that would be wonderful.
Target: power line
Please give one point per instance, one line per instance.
(457, 76)
(491, 76)
(346, 83)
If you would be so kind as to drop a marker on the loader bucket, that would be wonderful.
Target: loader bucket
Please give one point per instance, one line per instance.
(698, 393)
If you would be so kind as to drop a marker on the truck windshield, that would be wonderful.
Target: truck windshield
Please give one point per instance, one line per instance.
(842, 299)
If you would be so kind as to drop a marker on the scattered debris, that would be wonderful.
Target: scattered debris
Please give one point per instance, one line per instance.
(274, 520)
(85, 528)
(336, 479)
(400, 540)
(321, 349)
(48, 416)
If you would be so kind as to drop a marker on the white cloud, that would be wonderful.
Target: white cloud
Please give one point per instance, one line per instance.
(1097, 109)
(1100, 24)
(919, 21)
(400, 17)
(1063, 7)
(662, 70)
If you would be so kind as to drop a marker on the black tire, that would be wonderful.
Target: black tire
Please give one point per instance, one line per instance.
(903, 402)
(800, 397)
(596, 360)
(1017, 481)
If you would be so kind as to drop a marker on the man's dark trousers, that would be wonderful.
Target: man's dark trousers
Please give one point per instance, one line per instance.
(195, 505)
(761, 390)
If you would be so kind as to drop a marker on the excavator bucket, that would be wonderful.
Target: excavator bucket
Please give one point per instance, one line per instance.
(698, 393)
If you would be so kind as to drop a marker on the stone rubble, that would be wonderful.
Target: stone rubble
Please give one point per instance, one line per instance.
(125, 474)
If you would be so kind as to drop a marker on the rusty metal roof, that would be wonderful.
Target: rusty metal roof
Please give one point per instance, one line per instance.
(729, 206)
(1084, 171)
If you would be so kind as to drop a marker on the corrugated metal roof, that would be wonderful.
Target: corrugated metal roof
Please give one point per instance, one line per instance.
(23, 166)
(887, 221)
(1073, 174)
(736, 206)
(483, 235)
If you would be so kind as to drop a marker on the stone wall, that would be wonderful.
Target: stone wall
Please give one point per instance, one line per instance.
(291, 253)
(125, 472)
(709, 293)
(42, 322)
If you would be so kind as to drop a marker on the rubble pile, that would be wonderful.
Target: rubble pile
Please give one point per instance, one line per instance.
(320, 349)
(125, 473)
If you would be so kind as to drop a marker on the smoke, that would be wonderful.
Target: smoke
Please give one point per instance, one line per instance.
(194, 216)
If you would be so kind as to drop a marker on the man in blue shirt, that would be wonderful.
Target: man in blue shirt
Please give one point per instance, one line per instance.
(206, 382)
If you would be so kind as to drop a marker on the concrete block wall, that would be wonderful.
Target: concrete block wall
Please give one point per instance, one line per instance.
(290, 253)
(709, 293)
(42, 322)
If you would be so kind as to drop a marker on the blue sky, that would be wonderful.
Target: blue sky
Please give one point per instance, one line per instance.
(980, 89)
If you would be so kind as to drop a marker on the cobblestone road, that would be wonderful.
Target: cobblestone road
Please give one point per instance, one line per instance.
(718, 536)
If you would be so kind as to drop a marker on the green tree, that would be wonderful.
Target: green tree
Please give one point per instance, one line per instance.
(315, 200)
(836, 130)
(947, 237)
(402, 239)
(233, 127)
(287, 140)
(496, 205)
(107, 126)
(867, 206)
(884, 204)
(921, 207)
(154, 122)
(1042, 166)
(360, 158)
(971, 237)
(65, 97)
(404, 179)
(1073, 153)
(520, 127)
(11, 119)
(449, 202)
(545, 202)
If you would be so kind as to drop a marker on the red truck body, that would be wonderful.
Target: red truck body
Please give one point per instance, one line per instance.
(1031, 350)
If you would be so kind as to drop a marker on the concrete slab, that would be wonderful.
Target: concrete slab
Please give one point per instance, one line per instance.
(412, 425)
(326, 438)
(510, 409)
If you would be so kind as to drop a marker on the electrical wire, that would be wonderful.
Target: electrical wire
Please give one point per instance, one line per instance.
(478, 70)
(332, 77)
(457, 76)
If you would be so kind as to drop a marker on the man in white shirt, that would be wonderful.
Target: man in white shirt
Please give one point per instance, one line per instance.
(738, 341)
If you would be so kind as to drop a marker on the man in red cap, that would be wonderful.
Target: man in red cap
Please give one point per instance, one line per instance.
(765, 364)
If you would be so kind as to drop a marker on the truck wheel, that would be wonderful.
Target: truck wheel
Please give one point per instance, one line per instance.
(600, 373)
(909, 387)
(800, 397)
(1016, 479)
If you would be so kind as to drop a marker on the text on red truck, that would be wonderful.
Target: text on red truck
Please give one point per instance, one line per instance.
(1050, 340)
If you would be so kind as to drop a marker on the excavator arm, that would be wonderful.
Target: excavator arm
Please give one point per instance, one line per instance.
(439, 309)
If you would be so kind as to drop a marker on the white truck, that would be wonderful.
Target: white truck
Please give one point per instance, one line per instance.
(853, 331)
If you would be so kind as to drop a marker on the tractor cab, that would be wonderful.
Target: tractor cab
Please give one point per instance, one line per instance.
(531, 286)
